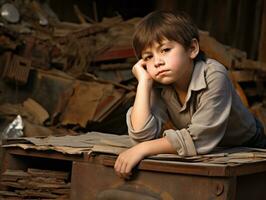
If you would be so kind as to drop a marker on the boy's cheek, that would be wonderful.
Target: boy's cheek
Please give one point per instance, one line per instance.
(151, 72)
(149, 69)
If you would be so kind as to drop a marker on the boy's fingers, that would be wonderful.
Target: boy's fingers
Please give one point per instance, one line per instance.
(118, 173)
(143, 63)
(123, 168)
(125, 172)
(128, 169)
(140, 63)
(133, 69)
(127, 175)
(118, 165)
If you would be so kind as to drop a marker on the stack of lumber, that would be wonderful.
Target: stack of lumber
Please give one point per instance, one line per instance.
(35, 184)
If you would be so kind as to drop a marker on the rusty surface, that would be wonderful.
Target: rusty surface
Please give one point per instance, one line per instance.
(17, 69)
(116, 53)
(100, 182)
(165, 181)
(38, 51)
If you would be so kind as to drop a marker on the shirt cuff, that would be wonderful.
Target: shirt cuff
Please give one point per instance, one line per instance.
(181, 141)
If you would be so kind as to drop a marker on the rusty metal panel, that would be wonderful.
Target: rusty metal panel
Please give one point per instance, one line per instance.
(38, 52)
(5, 59)
(95, 181)
(16, 69)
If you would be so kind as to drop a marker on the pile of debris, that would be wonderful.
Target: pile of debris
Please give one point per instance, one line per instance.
(80, 74)
(35, 184)
(51, 63)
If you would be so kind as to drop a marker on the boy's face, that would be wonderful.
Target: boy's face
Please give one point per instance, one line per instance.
(167, 62)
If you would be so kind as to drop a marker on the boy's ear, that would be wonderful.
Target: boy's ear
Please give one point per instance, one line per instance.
(194, 48)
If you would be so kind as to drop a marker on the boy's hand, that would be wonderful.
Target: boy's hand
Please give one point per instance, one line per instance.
(140, 72)
(129, 159)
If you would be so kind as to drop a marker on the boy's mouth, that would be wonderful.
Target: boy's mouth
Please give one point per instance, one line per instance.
(161, 72)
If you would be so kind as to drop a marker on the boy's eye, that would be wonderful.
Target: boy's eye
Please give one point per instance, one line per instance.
(146, 58)
(164, 50)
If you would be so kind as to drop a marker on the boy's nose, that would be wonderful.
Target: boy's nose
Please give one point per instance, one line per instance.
(158, 62)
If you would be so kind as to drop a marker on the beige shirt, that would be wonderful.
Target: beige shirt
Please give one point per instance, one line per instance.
(212, 115)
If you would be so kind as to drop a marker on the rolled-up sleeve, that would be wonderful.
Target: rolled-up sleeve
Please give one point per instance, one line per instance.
(209, 121)
(153, 126)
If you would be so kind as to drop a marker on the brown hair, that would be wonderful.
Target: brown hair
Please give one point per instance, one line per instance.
(159, 25)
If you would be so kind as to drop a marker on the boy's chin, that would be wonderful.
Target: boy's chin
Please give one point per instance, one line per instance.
(165, 82)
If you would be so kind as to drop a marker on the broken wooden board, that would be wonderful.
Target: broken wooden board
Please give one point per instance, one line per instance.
(36, 194)
(8, 194)
(52, 84)
(13, 184)
(14, 175)
(215, 49)
(61, 149)
(39, 113)
(82, 105)
(108, 103)
(34, 130)
(35, 184)
(48, 173)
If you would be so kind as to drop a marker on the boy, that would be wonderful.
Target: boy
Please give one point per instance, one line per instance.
(176, 82)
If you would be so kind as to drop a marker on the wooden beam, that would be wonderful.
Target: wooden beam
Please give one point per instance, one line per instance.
(262, 44)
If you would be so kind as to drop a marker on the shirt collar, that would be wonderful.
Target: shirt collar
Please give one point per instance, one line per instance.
(197, 83)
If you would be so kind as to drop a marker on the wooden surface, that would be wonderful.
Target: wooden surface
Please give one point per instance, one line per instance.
(186, 167)
(93, 176)
(199, 168)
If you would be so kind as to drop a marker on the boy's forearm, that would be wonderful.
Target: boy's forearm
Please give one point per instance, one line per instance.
(157, 146)
(141, 108)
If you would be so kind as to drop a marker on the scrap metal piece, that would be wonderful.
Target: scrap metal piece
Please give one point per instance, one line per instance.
(10, 13)
(17, 69)
(14, 129)
(38, 51)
